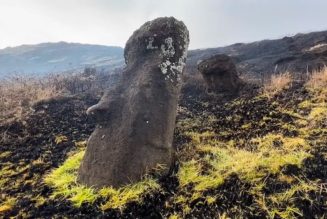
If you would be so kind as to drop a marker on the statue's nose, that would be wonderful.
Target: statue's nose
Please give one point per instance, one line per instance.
(91, 110)
(98, 112)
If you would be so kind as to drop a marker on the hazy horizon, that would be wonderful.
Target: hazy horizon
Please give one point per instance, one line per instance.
(212, 23)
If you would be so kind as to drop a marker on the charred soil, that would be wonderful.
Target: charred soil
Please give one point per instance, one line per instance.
(239, 125)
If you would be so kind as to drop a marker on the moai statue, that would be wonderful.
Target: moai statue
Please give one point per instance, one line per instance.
(220, 74)
(136, 120)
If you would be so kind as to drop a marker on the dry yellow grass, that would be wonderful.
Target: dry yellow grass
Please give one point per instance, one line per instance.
(318, 79)
(17, 94)
(277, 83)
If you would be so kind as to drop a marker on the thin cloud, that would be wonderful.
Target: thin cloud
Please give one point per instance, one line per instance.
(110, 22)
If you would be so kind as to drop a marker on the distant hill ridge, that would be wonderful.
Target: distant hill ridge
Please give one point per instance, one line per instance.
(57, 57)
(300, 53)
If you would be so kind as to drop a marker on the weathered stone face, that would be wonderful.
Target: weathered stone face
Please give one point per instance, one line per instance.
(136, 120)
(220, 74)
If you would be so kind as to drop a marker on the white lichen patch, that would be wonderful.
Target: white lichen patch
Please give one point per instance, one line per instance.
(165, 66)
(168, 49)
(173, 70)
(150, 43)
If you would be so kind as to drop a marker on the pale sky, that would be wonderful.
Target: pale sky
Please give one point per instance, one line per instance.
(211, 23)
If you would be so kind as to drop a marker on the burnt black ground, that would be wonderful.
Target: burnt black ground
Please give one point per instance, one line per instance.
(34, 139)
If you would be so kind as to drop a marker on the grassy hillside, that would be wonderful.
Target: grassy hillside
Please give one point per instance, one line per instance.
(262, 154)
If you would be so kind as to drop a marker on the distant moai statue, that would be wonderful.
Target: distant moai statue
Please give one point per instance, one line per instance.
(220, 74)
(136, 120)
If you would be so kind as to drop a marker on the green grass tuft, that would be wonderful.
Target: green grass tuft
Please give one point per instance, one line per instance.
(64, 182)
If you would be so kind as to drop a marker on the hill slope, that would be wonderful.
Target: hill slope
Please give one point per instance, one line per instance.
(299, 53)
(58, 57)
